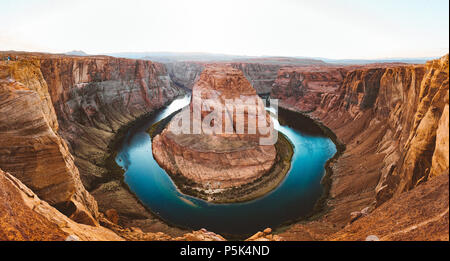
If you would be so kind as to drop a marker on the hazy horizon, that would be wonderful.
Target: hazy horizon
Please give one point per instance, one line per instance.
(345, 29)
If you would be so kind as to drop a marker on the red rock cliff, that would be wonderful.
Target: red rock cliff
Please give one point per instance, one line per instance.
(401, 109)
(31, 148)
(304, 87)
(394, 122)
(217, 161)
(25, 217)
(261, 76)
(83, 101)
(95, 96)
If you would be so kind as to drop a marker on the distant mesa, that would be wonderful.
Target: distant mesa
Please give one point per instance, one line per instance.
(76, 53)
(175, 57)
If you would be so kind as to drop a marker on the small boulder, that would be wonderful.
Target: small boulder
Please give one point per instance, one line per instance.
(267, 230)
(72, 238)
(255, 236)
(112, 215)
(372, 238)
(365, 211)
(355, 215)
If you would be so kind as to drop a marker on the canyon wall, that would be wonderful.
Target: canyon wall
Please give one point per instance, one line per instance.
(30, 147)
(394, 122)
(95, 99)
(303, 87)
(59, 115)
(95, 96)
(24, 216)
(401, 108)
(260, 75)
(52, 105)
(70, 110)
(185, 74)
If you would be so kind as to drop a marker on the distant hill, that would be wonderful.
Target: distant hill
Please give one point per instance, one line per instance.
(421, 60)
(282, 61)
(178, 56)
(169, 57)
(77, 53)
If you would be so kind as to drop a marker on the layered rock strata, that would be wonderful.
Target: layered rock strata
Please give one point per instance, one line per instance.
(303, 88)
(185, 74)
(260, 75)
(25, 217)
(218, 160)
(95, 99)
(30, 147)
(95, 96)
(391, 119)
(34, 149)
(398, 111)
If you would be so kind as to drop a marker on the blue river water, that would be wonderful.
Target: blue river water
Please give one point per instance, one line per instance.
(294, 198)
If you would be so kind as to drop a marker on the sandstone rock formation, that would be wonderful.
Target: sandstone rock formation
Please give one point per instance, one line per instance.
(396, 110)
(265, 235)
(260, 75)
(185, 74)
(30, 147)
(419, 214)
(95, 96)
(217, 160)
(23, 216)
(59, 115)
(33, 138)
(390, 119)
(303, 87)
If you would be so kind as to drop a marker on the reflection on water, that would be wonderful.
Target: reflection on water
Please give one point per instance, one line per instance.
(173, 107)
(295, 197)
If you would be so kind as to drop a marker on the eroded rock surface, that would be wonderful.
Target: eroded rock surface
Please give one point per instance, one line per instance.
(25, 217)
(95, 96)
(390, 119)
(35, 220)
(303, 88)
(30, 147)
(33, 138)
(260, 73)
(217, 161)
(419, 214)
(393, 119)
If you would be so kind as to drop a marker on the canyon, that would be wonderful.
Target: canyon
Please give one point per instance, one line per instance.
(261, 73)
(61, 117)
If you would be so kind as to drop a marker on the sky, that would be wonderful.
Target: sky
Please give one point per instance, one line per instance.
(337, 29)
